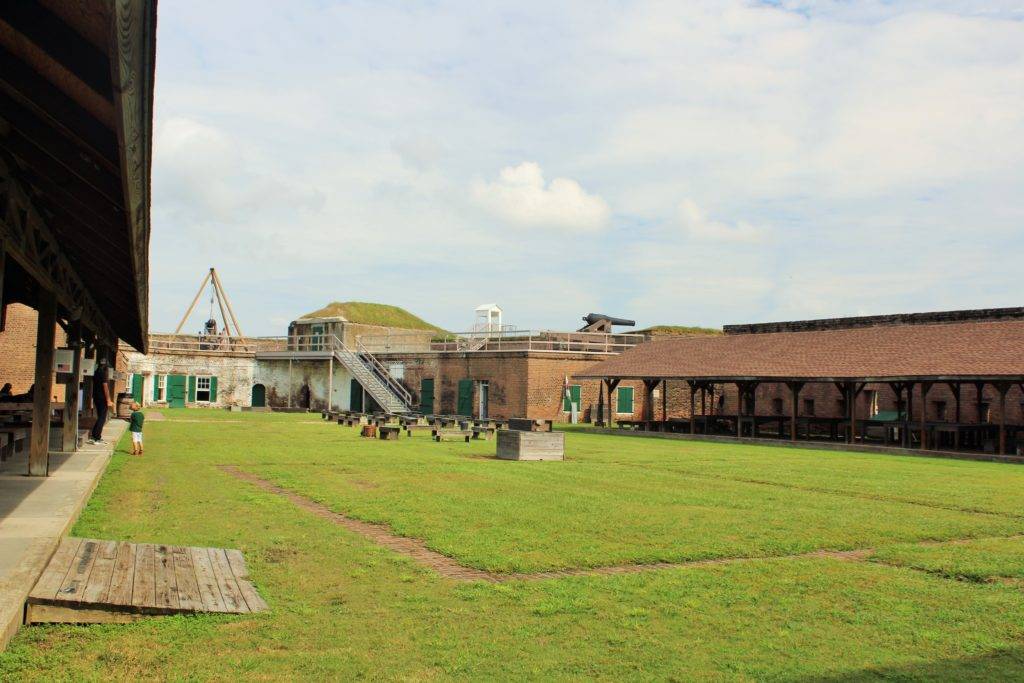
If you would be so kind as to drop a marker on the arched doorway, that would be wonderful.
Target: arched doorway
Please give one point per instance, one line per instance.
(259, 396)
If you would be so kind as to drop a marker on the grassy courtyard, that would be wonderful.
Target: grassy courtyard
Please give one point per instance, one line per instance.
(935, 592)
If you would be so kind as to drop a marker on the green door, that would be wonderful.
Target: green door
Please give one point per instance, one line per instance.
(573, 397)
(176, 391)
(355, 397)
(465, 405)
(259, 396)
(137, 388)
(427, 396)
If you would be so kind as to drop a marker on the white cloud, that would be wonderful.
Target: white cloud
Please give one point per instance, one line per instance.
(698, 226)
(292, 147)
(520, 197)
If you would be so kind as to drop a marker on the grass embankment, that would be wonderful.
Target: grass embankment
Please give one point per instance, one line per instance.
(366, 313)
(342, 607)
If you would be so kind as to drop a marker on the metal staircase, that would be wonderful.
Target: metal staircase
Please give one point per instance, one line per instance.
(373, 376)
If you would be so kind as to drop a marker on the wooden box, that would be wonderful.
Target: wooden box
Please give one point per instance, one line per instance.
(519, 445)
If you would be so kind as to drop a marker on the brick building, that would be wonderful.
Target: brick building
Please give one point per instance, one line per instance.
(18, 348)
(320, 365)
(948, 380)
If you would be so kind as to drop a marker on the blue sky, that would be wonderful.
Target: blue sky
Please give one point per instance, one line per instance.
(673, 162)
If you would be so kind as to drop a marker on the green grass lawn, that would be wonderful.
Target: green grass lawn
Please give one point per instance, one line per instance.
(343, 608)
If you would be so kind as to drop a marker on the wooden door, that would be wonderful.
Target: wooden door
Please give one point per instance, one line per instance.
(355, 399)
(176, 391)
(427, 396)
(137, 382)
(465, 404)
(259, 396)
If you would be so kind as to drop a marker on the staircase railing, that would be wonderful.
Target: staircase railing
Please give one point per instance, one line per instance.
(381, 371)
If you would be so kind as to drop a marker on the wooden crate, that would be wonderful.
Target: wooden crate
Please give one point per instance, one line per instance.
(519, 445)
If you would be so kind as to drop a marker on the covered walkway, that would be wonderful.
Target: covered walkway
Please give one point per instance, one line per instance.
(36, 512)
(909, 361)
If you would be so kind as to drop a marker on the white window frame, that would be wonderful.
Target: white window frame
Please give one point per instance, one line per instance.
(199, 388)
(161, 388)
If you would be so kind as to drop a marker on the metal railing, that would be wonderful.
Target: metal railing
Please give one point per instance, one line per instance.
(380, 370)
(542, 341)
(183, 343)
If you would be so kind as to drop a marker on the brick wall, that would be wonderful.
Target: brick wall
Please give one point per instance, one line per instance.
(519, 384)
(772, 398)
(18, 349)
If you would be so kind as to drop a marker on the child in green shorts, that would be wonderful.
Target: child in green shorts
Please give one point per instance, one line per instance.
(135, 427)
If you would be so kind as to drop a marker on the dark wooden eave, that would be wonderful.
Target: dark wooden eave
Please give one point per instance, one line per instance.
(76, 103)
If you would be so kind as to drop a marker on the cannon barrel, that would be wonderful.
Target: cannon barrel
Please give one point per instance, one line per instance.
(597, 317)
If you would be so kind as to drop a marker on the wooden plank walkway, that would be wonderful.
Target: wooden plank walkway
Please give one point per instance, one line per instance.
(92, 581)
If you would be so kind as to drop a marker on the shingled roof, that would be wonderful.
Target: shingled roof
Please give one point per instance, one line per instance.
(970, 350)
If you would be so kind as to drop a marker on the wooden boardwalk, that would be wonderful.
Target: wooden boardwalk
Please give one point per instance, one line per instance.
(91, 581)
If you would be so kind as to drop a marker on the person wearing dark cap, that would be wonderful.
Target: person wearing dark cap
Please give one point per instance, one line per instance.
(101, 399)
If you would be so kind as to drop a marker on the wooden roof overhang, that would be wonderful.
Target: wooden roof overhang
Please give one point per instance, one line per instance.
(76, 108)
(769, 379)
(990, 352)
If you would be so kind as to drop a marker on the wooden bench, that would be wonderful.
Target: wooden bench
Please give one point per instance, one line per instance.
(389, 433)
(484, 433)
(452, 435)
(15, 440)
(420, 428)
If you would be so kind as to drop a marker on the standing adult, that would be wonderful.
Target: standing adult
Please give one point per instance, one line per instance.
(101, 398)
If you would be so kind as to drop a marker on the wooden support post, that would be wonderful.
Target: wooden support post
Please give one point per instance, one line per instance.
(612, 384)
(794, 390)
(70, 440)
(925, 388)
(39, 455)
(1002, 388)
(649, 385)
(739, 407)
(693, 406)
(851, 412)
(979, 398)
(910, 414)
(664, 401)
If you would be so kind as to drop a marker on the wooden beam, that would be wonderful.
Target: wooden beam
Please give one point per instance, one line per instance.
(1003, 388)
(39, 454)
(693, 406)
(56, 108)
(227, 302)
(979, 398)
(925, 388)
(794, 389)
(33, 245)
(52, 152)
(133, 55)
(191, 306)
(664, 400)
(70, 440)
(60, 43)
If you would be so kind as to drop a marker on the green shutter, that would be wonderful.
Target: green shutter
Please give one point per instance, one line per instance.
(573, 397)
(137, 388)
(191, 388)
(156, 387)
(465, 403)
(213, 389)
(427, 396)
(625, 402)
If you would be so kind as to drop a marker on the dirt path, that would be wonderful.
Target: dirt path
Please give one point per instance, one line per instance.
(449, 568)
